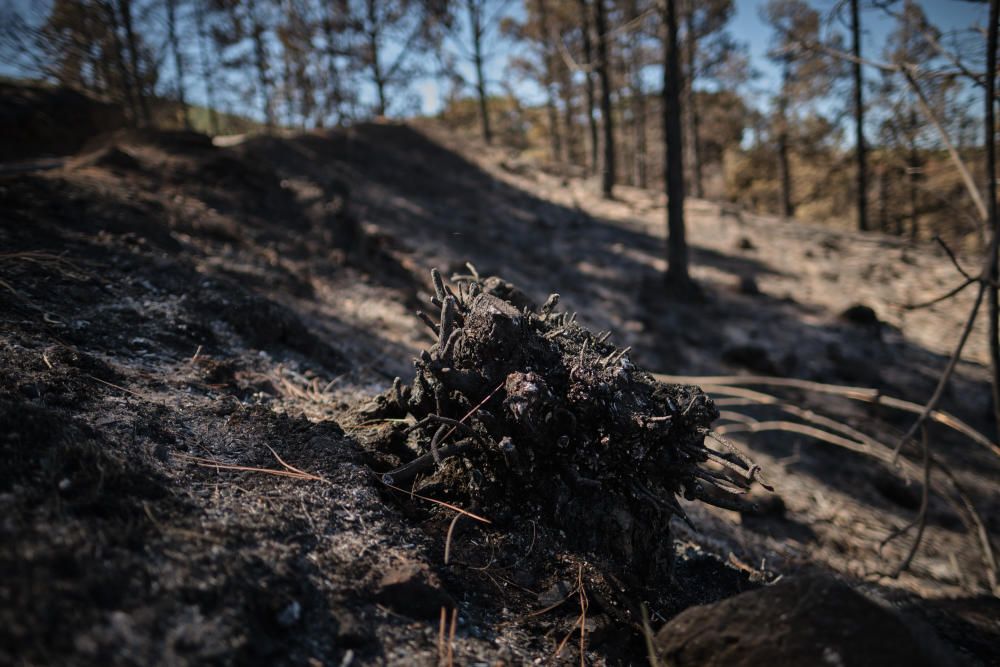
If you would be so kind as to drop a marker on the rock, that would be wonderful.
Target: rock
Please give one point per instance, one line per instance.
(412, 590)
(750, 356)
(806, 620)
(749, 286)
(860, 314)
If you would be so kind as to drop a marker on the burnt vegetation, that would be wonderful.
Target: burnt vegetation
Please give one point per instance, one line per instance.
(239, 426)
(521, 413)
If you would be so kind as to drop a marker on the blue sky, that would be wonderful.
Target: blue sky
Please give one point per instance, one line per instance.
(747, 27)
(948, 15)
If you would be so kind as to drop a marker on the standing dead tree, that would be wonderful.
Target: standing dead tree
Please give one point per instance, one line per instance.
(475, 10)
(178, 57)
(545, 30)
(678, 279)
(588, 82)
(991, 272)
(607, 122)
(393, 34)
(708, 51)
(207, 62)
(859, 120)
(134, 59)
(482, 17)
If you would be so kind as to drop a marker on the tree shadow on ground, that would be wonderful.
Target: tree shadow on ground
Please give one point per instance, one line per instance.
(444, 210)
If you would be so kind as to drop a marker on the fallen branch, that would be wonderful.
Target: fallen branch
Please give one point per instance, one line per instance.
(454, 508)
(721, 383)
(844, 436)
(289, 471)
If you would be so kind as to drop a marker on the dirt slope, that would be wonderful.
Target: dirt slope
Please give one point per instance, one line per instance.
(168, 305)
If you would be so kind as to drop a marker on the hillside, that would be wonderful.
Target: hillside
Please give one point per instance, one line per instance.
(178, 316)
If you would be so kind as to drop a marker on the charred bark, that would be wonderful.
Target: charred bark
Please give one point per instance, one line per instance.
(550, 100)
(178, 60)
(588, 83)
(859, 111)
(993, 300)
(694, 121)
(677, 278)
(607, 122)
(475, 26)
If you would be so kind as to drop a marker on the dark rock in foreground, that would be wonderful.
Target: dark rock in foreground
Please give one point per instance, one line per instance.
(807, 620)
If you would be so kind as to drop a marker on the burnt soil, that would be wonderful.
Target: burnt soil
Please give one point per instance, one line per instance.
(185, 326)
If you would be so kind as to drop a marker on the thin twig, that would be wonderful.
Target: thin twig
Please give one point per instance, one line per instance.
(946, 375)
(473, 411)
(454, 508)
(647, 635)
(447, 540)
(921, 520)
(210, 463)
(958, 289)
(986, 547)
(954, 260)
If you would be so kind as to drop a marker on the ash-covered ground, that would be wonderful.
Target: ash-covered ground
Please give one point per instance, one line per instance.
(193, 344)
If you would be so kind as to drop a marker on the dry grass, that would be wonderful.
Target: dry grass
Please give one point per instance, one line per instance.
(287, 470)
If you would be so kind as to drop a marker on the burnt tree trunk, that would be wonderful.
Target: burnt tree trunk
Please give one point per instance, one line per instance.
(784, 168)
(178, 59)
(566, 431)
(127, 85)
(588, 82)
(475, 25)
(994, 220)
(125, 7)
(550, 99)
(378, 77)
(333, 95)
(638, 103)
(261, 64)
(883, 196)
(625, 147)
(607, 122)
(640, 159)
(859, 134)
(569, 127)
(693, 119)
(206, 68)
(913, 175)
(677, 278)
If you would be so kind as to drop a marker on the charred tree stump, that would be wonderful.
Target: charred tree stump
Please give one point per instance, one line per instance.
(525, 414)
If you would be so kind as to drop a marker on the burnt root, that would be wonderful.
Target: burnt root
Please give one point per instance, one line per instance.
(524, 414)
